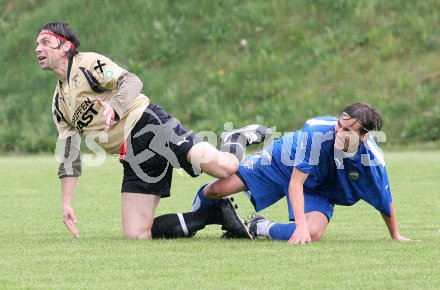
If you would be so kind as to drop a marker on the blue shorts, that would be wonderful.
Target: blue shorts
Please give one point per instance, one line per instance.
(266, 187)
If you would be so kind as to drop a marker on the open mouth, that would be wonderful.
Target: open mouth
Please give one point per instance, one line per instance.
(40, 58)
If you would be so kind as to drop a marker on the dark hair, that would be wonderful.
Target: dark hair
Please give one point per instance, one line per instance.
(368, 116)
(62, 29)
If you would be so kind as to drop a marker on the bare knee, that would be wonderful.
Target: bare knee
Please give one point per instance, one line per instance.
(211, 161)
(132, 234)
(214, 190)
(137, 213)
(224, 187)
(316, 235)
(317, 223)
(226, 169)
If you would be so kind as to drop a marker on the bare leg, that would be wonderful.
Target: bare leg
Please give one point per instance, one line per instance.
(317, 222)
(224, 187)
(211, 161)
(137, 212)
(208, 195)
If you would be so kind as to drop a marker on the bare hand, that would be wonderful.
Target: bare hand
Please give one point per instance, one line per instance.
(69, 219)
(109, 114)
(301, 235)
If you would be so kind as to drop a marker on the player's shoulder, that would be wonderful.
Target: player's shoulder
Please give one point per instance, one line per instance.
(84, 58)
(374, 153)
(322, 120)
(321, 124)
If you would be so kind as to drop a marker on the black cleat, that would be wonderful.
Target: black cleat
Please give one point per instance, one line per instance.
(254, 134)
(228, 235)
(231, 221)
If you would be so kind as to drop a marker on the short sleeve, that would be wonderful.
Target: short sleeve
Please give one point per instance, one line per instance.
(303, 149)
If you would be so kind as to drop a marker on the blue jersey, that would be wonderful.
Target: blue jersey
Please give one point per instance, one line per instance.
(363, 177)
(342, 181)
(311, 151)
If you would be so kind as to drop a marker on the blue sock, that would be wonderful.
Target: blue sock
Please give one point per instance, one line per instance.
(282, 231)
(201, 202)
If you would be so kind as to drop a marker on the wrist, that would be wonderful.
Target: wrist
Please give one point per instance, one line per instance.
(300, 223)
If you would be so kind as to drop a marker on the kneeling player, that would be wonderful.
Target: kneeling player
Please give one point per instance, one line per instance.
(331, 161)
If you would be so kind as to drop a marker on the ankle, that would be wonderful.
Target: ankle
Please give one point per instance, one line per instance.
(263, 228)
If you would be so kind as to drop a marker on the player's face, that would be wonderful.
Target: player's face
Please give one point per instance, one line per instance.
(49, 52)
(348, 134)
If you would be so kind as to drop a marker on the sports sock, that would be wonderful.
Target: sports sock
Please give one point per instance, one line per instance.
(183, 225)
(263, 228)
(236, 144)
(201, 202)
(281, 231)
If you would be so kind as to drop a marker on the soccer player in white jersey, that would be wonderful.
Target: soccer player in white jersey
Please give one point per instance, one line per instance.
(331, 161)
(96, 98)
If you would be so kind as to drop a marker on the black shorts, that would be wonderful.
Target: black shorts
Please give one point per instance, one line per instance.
(157, 144)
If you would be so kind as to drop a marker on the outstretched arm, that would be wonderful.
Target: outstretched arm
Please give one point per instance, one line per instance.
(391, 223)
(69, 170)
(68, 186)
(301, 235)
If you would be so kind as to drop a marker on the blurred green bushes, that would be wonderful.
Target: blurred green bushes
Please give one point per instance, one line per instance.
(276, 62)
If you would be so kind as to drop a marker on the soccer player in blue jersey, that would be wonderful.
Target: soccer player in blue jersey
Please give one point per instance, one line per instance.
(331, 161)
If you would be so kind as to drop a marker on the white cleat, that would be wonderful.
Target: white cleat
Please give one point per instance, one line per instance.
(254, 134)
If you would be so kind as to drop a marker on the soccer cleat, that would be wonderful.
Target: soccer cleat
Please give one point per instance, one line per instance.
(254, 134)
(252, 223)
(228, 235)
(231, 221)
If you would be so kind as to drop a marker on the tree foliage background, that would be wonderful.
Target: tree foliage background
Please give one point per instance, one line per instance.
(302, 58)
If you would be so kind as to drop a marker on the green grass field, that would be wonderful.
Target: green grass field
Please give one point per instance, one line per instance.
(36, 250)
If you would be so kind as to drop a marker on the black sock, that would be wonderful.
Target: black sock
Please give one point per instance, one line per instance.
(182, 225)
(236, 144)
